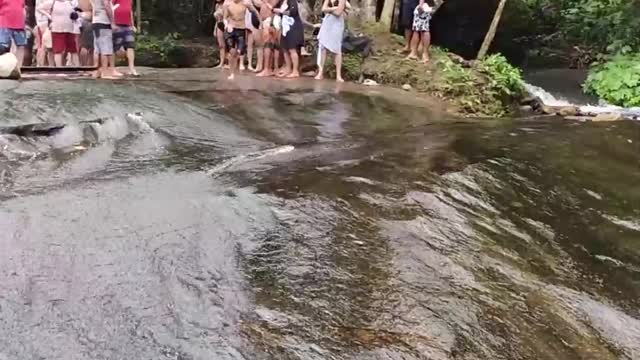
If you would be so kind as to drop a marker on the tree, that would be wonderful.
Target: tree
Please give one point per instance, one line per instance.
(488, 39)
(386, 17)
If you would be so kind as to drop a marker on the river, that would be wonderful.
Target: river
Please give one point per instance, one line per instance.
(199, 220)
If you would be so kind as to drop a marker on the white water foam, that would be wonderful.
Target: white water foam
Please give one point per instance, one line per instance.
(551, 100)
(240, 159)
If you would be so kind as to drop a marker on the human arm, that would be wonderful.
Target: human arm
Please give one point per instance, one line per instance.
(252, 8)
(108, 9)
(339, 10)
(44, 8)
(292, 9)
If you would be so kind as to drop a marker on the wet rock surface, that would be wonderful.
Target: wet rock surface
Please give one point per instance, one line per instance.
(306, 220)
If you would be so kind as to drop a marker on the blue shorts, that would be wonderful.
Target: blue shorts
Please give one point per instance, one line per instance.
(124, 38)
(18, 36)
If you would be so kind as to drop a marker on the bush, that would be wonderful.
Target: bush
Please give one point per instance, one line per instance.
(490, 88)
(617, 81)
(155, 50)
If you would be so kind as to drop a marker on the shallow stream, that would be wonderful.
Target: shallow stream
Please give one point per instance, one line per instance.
(310, 224)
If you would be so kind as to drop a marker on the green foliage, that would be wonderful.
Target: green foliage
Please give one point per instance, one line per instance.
(489, 88)
(505, 80)
(157, 47)
(612, 26)
(617, 81)
(599, 26)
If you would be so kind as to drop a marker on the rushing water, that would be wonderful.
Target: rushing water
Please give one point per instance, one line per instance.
(246, 224)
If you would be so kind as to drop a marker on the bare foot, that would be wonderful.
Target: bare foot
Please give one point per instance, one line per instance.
(257, 70)
(227, 66)
(251, 68)
(116, 73)
(231, 77)
(319, 76)
(412, 57)
(133, 73)
(425, 60)
(219, 66)
(242, 68)
(339, 79)
(404, 51)
(265, 74)
(293, 75)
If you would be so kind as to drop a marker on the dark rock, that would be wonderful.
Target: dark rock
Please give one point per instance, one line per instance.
(44, 129)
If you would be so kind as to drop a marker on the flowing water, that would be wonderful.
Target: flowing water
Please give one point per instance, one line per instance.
(310, 224)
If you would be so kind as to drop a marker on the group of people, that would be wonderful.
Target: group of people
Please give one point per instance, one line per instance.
(415, 20)
(275, 28)
(72, 33)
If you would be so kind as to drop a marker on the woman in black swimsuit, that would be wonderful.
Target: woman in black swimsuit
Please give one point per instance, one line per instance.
(293, 41)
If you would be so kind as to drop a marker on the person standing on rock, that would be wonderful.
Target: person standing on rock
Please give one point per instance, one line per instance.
(406, 22)
(124, 32)
(234, 17)
(103, 39)
(331, 34)
(62, 30)
(42, 25)
(269, 37)
(86, 34)
(421, 35)
(218, 31)
(12, 23)
(292, 39)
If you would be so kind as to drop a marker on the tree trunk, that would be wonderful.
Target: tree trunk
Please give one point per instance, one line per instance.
(386, 17)
(488, 39)
(139, 15)
(369, 10)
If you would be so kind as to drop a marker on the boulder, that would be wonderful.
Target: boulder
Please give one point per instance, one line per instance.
(609, 116)
(559, 110)
(9, 67)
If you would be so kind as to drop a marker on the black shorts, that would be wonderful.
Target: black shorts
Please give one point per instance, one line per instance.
(235, 39)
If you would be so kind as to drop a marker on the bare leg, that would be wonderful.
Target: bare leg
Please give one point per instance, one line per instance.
(295, 64)
(257, 37)
(276, 59)
(57, 58)
(50, 58)
(339, 68)
(323, 58)
(266, 70)
(426, 44)
(75, 59)
(250, 41)
(415, 39)
(131, 57)
(222, 47)
(20, 55)
(233, 63)
(41, 52)
(286, 69)
(407, 38)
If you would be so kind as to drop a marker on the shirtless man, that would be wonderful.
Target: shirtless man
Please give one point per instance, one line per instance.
(234, 17)
(269, 36)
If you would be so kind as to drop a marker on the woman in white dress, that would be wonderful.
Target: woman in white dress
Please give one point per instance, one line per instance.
(331, 34)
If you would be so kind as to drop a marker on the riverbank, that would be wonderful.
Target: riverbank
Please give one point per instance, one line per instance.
(488, 88)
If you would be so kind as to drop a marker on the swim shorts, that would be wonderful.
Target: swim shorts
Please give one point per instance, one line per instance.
(18, 36)
(102, 39)
(124, 38)
(86, 35)
(235, 39)
(64, 43)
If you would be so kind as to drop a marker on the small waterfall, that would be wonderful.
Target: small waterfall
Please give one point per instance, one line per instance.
(551, 100)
